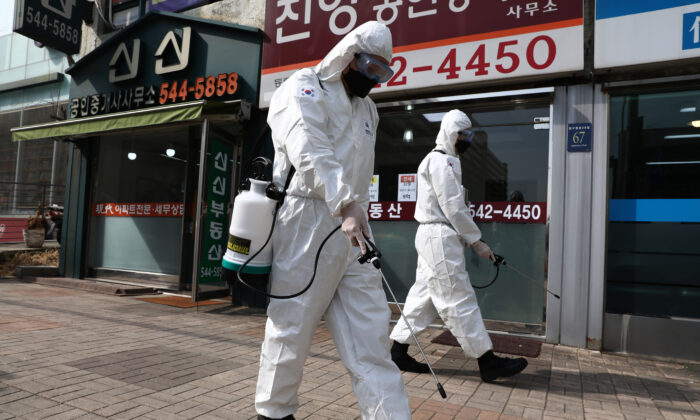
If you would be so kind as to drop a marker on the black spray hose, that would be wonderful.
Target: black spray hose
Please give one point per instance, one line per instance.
(256, 290)
(497, 263)
(500, 260)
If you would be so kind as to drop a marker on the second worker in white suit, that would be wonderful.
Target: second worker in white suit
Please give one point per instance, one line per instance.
(442, 284)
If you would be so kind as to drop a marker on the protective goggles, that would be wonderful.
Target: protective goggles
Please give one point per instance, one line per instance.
(372, 68)
(465, 135)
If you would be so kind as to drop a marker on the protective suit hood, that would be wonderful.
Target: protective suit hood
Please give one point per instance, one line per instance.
(370, 37)
(452, 123)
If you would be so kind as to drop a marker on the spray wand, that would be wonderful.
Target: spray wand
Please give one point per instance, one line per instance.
(372, 255)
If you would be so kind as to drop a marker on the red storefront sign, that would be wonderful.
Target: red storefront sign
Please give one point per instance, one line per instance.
(435, 43)
(486, 211)
(138, 209)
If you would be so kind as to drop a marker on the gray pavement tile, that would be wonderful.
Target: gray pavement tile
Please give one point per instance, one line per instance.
(168, 363)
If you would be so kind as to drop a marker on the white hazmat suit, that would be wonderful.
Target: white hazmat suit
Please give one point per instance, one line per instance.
(329, 138)
(442, 284)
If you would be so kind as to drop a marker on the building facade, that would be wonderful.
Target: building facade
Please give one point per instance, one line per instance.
(582, 175)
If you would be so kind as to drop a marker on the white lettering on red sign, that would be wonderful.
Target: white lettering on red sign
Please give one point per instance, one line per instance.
(509, 212)
(138, 209)
(484, 212)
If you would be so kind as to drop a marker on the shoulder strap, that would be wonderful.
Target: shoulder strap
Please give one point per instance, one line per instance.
(439, 151)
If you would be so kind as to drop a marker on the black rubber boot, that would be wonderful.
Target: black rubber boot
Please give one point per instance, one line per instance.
(399, 354)
(492, 367)
(261, 417)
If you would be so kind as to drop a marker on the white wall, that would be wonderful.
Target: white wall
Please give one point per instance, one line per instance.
(6, 18)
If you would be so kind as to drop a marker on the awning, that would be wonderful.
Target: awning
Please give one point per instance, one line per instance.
(148, 117)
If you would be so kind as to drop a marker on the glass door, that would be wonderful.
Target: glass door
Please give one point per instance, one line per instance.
(137, 206)
(505, 175)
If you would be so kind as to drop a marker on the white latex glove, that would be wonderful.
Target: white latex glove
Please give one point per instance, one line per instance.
(354, 223)
(483, 250)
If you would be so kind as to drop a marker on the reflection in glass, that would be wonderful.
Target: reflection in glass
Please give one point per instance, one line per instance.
(507, 162)
(654, 210)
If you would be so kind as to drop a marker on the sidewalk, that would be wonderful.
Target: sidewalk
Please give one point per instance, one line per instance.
(72, 354)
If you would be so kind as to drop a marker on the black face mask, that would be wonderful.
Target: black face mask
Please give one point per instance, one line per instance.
(358, 84)
(462, 146)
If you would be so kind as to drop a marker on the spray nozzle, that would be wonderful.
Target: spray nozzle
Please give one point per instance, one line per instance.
(372, 255)
(499, 260)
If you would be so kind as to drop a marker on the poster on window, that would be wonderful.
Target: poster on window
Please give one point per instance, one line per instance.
(446, 42)
(408, 187)
(374, 188)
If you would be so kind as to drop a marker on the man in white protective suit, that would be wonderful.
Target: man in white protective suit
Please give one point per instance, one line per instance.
(324, 125)
(442, 284)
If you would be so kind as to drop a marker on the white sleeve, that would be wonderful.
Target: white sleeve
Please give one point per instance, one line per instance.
(447, 185)
(303, 124)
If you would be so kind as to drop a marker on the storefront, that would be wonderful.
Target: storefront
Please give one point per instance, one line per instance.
(461, 55)
(584, 116)
(652, 286)
(159, 120)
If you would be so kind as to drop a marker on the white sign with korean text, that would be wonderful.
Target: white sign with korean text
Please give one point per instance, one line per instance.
(631, 32)
(408, 187)
(374, 188)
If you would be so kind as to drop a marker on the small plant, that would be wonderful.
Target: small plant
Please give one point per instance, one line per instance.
(36, 221)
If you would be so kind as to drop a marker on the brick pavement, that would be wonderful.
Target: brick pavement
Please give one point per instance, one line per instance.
(72, 354)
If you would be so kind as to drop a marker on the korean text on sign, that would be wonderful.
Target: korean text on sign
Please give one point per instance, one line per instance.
(138, 209)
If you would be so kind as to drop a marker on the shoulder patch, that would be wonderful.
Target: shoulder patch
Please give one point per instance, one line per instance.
(306, 91)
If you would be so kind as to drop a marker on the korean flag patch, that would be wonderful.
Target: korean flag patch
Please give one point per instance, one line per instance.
(307, 92)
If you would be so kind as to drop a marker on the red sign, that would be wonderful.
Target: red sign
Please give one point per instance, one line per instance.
(138, 209)
(391, 210)
(445, 42)
(509, 212)
(11, 229)
(485, 212)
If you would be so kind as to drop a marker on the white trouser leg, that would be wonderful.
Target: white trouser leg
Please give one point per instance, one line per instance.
(450, 289)
(418, 309)
(358, 319)
(291, 323)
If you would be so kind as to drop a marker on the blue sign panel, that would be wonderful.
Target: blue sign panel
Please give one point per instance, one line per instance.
(605, 9)
(691, 30)
(579, 137)
(172, 5)
(655, 210)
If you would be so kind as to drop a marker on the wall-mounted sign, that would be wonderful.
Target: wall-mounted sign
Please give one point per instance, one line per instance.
(166, 58)
(579, 137)
(630, 32)
(54, 23)
(216, 221)
(435, 43)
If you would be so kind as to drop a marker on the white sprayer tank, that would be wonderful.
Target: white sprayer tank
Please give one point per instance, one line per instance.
(250, 225)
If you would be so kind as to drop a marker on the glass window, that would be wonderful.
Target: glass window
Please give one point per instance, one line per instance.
(654, 212)
(507, 163)
(137, 201)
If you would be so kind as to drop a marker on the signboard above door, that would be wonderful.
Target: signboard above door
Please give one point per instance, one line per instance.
(634, 32)
(166, 58)
(53, 23)
(436, 43)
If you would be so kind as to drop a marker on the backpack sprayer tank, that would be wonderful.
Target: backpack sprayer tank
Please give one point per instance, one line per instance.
(251, 223)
